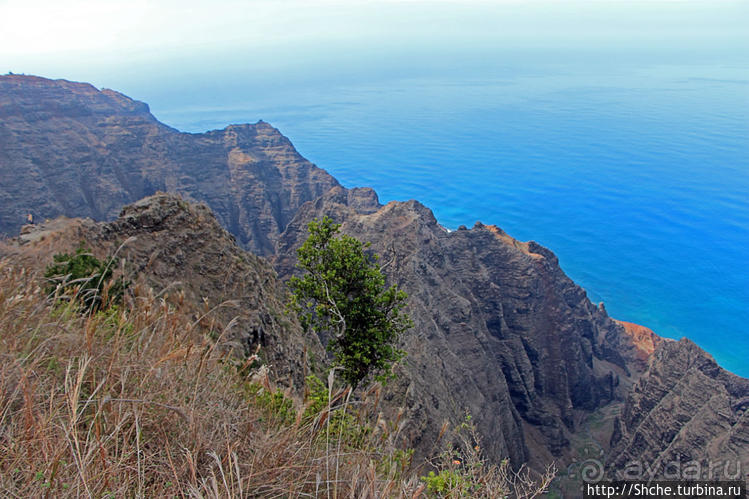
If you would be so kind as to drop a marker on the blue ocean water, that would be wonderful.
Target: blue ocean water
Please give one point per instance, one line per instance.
(635, 174)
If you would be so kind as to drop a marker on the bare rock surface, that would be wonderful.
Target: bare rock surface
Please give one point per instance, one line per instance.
(685, 415)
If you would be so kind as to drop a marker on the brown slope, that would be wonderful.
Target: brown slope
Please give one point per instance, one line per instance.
(69, 149)
(500, 331)
(644, 340)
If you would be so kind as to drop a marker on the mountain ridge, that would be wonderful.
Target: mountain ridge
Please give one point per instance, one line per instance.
(122, 153)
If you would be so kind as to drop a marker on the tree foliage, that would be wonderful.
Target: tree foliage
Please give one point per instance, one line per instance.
(343, 297)
(88, 278)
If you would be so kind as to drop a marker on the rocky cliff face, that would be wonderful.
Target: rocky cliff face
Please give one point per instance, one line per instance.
(685, 415)
(500, 331)
(69, 149)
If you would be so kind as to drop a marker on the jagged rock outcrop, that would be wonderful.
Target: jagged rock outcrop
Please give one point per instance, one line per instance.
(69, 149)
(181, 251)
(684, 415)
(499, 332)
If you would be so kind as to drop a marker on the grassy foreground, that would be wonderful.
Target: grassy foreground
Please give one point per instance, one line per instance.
(143, 399)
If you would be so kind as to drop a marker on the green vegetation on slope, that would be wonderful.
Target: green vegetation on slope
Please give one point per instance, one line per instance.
(86, 278)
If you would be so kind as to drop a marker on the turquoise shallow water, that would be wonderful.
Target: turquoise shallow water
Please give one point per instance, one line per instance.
(635, 175)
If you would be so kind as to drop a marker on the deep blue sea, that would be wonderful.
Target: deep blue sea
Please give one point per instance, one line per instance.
(635, 172)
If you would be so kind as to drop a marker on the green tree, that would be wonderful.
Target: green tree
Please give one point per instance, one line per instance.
(343, 297)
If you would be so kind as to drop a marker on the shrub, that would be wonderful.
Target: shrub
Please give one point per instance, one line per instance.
(278, 407)
(89, 280)
(463, 471)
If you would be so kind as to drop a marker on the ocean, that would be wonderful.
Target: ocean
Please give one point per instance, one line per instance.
(633, 169)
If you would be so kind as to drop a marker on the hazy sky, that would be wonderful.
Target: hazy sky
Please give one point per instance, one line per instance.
(35, 33)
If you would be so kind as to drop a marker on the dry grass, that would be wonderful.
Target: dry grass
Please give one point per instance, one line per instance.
(141, 400)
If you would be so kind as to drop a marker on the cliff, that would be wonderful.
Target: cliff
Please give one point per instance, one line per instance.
(501, 331)
(69, 149)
